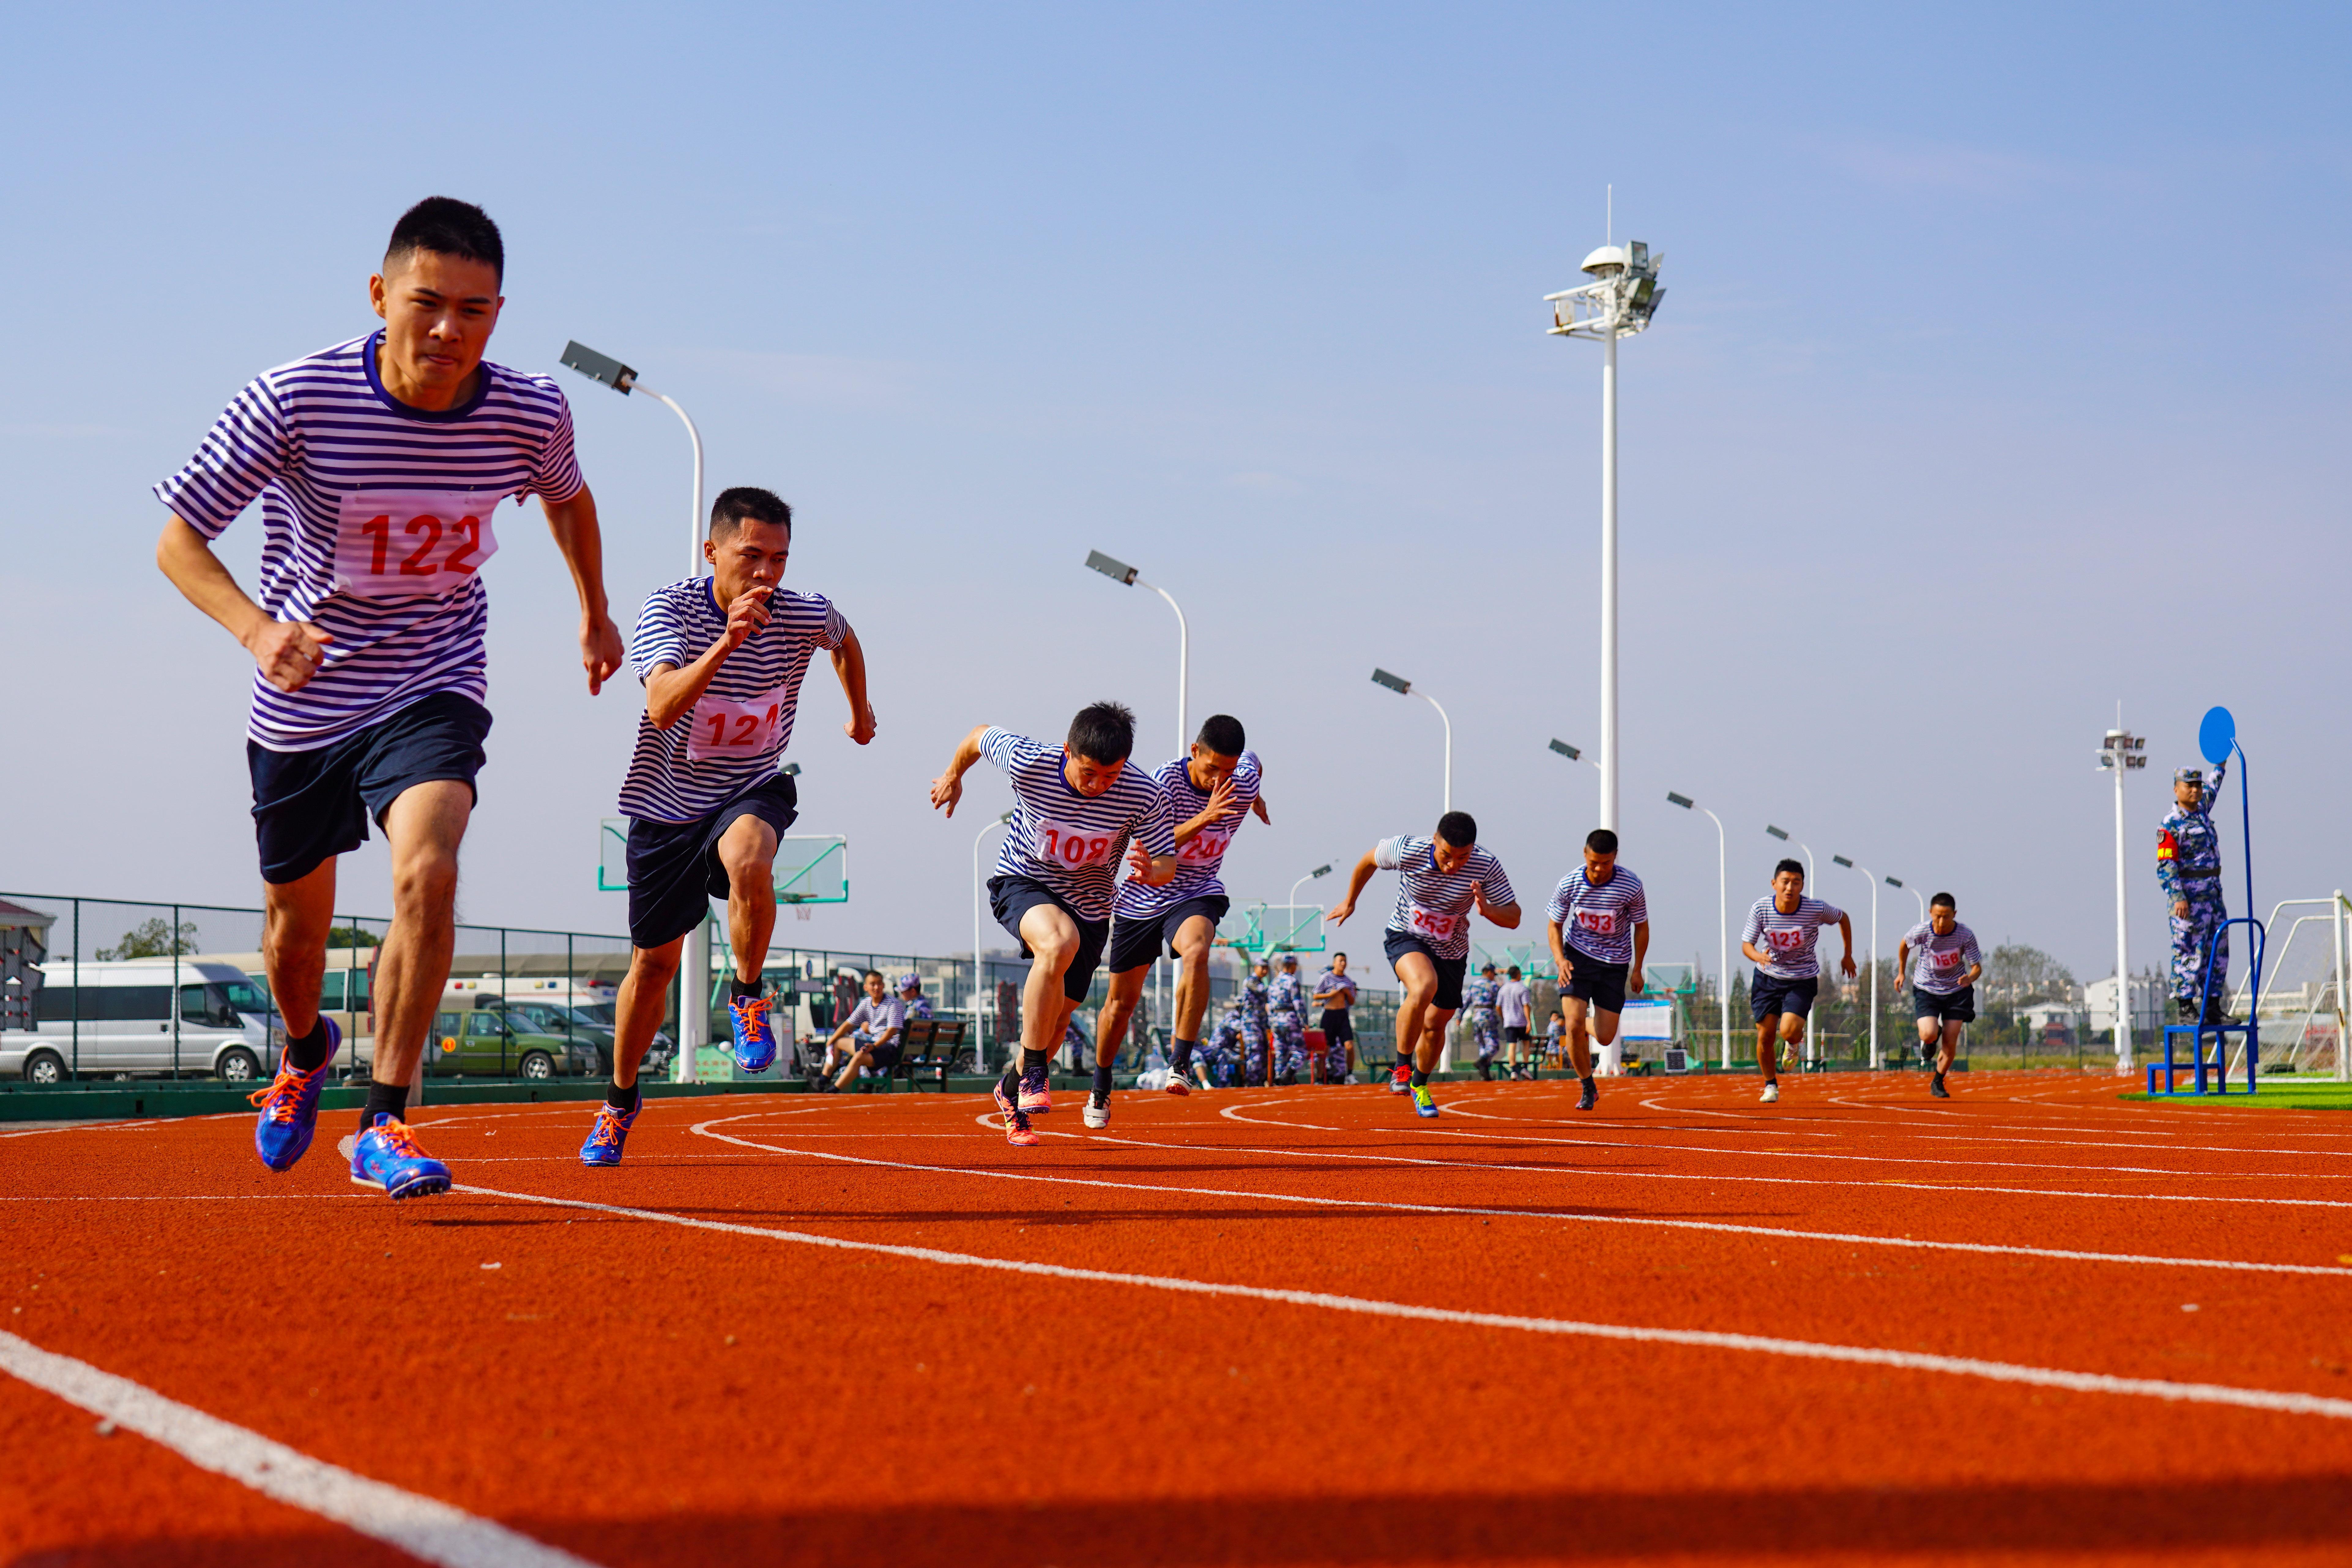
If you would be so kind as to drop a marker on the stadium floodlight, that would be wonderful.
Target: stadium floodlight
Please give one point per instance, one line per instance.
(2120, 752)
(1866, 871)
(694, 964)
(979, 974)
(1722, 914)
(1403, 687)
(1565, 750)
(1618, 303)
(1917, 896)
(1315, 875)
(1121, 571)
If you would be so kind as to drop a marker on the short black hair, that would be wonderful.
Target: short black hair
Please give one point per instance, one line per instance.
(1103, 733)
(1601, 841)
(1796, 866)
(1944, 901)
(448, 226)
(1514, 972)
(873, 974)
(1339, 955)
(1458, 828)
(1222, 735)
(742, 503)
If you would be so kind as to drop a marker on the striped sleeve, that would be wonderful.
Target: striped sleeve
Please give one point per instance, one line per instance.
(660, 636)
(246, 448)
(1007, 750)
(556, 476)
(1754, 930)
(1388, 853)
(1488, 873)
(1151, 827)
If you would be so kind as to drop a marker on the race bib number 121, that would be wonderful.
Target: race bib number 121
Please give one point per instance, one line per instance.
(406, 544)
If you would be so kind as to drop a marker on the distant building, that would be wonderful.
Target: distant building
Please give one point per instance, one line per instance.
(2148, 994)
(23, 944)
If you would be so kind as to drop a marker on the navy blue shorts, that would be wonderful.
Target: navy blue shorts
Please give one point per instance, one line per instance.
(1768, 996)
(674, 868)
(1135, 941)
(1947, 1006)
(1603, 985)
(1450, 972)
(310, 806)
(1338, 1026)
(1009, 898)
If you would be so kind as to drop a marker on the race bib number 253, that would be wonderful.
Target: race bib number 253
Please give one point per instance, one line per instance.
(404, 544)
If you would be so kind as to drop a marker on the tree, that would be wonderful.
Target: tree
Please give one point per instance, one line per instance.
(152, 939)
(2024, 976)
(351, 936)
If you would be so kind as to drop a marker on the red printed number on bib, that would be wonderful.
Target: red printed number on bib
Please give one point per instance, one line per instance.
(1205, 848)
(736, 732)
(1599, 923)
(407, 544)
(1071, 846)
(1786, 941)
(1946, 960)
(1431, 922)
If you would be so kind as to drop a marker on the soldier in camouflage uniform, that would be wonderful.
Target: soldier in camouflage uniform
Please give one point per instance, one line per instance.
(2189, 865)
(1217, 1061)
(1250, 1005)
(1286, 1007)
(1482, 1018)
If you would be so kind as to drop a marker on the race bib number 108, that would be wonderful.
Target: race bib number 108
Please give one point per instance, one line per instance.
(406, 544)
(1071, 846)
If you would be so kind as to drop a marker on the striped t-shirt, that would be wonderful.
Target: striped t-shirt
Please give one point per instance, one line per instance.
(1435, 905)
(1073, 843)
(1599, 922)
(1345, 985)
(1200, 858)
(1940, 965)
(376, 517)
(739, 726)
(1789, 939)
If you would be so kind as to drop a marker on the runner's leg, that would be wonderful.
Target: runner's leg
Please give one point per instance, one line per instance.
(638, 1014)
(1195, 938)
(296, 917)
(747, 851)
(424, 825)
(1768, 1053)
(1418, 975)
(1579, 1034)
(1118, 1008)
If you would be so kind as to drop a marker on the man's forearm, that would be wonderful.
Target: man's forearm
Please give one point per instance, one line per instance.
(849, 667)
(186, 557)
(574, 524)
(672, 692)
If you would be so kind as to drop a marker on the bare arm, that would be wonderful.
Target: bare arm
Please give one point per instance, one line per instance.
(574, 524)
(1748, 950)
(849, 667)
(1258, 805)
(672, 691)
(1356, 881)
(1219, 807)
(288, 653)
(1641, 951)
(1504, 915)
(1845, 929)
(1903, 960)
(947, 788)
(1558, 950)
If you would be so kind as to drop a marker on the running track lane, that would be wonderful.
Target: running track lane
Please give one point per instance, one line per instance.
(876, 1404)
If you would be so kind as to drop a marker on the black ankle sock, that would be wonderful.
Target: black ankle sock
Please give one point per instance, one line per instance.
(1420, 1078)
(309, 1054)
(1102, 1083)
(740, 988)
(1034, 1061)
(384, 1099)
(621, 1099)
(1585, 1079)
(1182, 1059)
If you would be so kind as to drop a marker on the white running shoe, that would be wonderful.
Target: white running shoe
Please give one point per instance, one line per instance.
(1176, 1084)
(1096, 1115)
(1771, 1094)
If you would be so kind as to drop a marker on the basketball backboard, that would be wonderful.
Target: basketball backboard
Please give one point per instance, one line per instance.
(811, 867)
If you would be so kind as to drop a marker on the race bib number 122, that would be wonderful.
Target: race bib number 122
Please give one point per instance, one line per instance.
(406, 544)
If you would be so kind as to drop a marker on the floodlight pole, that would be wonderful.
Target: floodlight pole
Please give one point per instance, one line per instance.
(1866, 871)
(2119, 752)
(1323, 871)
(1403, 687)
(1121, 571)
(1722, 916)
(979, 971)
(694, 966)
(1917, 896)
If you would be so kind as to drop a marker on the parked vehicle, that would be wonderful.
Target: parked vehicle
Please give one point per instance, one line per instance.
(485, 1042)
(143, 1016)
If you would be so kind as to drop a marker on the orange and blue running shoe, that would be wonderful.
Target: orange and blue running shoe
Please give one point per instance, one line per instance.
(611, 1132)
(386, 1157)
(289, 1108)
(1036, 1093)
(755, 1041)
(1017, 1131)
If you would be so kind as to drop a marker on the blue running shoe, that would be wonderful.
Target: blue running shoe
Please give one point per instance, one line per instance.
(289, 1108)
(386, 1156)
(1422, 1104)
(607, 1137)
(755, 1042)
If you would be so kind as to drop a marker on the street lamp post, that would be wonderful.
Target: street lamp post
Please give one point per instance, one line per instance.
(1319, 872)
(1872, 876)
(1917, 896)
(1813, 1037)
(2120, 752)
(1617, 303)
(694, 966)
(1403, 687)
(979, 969)
(1121, 571)
(1722, 916)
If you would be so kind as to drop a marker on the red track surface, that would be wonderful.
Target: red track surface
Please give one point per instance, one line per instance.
(642, 1392)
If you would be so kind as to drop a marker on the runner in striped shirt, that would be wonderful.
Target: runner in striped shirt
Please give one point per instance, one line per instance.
(1943, 983)
(379, 464)
(1788, 975)
(1077, 807)
(721, 658)
(1599, 928)
(1210, 792)
(1428, 937)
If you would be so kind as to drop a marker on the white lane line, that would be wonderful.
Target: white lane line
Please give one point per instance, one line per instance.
(417, 1525)
(1921, 1185)
(82, 1127)
(2279, 1400)
(1777, 1233)
(187, 1197)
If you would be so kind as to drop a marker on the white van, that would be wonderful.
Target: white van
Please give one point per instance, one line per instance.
(141, 1017)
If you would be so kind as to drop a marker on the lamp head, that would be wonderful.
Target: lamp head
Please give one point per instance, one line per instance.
(1396, 683)
(599, 367)
(1117, 571)
(1565, 750)
(1682, 800)
(1776, 833)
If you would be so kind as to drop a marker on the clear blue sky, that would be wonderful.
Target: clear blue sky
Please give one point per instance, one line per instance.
(2001, 377)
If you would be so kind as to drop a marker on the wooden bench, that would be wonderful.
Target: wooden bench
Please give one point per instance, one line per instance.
(933, 1048)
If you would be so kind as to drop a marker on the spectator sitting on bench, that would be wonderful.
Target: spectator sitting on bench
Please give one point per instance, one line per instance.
(911, 997)
(878, 1021)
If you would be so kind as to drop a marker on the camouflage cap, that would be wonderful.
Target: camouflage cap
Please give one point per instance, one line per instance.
(2189, 775)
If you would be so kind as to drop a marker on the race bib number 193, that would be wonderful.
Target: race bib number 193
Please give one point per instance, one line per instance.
(406, 544)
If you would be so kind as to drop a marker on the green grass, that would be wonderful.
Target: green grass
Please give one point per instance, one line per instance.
(2277, 1094)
